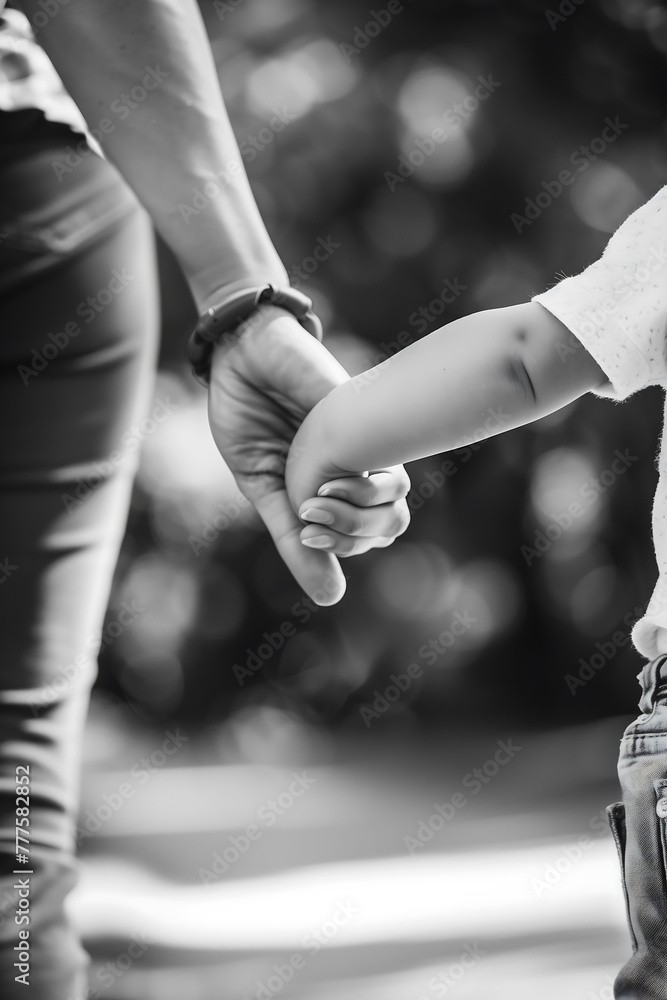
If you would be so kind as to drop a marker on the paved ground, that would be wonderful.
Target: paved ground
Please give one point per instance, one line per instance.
(328, 893)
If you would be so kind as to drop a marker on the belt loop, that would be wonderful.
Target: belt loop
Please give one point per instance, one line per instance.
(649, 678)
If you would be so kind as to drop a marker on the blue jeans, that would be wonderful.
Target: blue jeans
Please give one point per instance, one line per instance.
(79, 321)
(639, 826)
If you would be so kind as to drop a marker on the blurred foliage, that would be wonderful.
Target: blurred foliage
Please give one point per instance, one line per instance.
(359, 90)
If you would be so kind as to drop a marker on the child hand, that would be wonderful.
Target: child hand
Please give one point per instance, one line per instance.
(346, 512)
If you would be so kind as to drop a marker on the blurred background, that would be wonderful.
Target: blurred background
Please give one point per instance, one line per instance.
(334, 107)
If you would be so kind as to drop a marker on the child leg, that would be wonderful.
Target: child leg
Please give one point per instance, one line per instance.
(639, 825)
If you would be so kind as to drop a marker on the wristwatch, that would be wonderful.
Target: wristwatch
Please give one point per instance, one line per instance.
(232, 311)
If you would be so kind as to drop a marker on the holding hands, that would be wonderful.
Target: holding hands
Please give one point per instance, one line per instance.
(263, 385)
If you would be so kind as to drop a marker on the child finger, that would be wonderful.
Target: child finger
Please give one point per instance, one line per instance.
(386, 520)
(381, 486)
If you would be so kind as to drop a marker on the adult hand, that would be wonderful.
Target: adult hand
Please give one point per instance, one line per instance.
(264, 380)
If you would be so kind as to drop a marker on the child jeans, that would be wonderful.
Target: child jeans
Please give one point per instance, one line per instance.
(78, 331)
(639, 826)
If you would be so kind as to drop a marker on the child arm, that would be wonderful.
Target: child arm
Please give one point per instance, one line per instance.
(602, 330)
(474, 378)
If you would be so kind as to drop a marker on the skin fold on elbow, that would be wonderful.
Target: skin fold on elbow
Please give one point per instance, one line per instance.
(535, 376)
(522, 387)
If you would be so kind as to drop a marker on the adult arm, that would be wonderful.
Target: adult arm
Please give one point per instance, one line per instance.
(176, 149)
(175, 140)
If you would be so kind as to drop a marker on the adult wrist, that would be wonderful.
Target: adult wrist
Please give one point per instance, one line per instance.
(234, 311)
(210, 294)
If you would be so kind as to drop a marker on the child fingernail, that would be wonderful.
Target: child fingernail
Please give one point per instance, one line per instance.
(318, 542)
(331, 493)
(319, 516)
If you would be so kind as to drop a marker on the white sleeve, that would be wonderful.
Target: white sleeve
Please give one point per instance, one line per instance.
(617, 307)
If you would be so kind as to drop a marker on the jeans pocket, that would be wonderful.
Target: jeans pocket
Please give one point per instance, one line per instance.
(43, 220)
(616, 816)
(71, 229)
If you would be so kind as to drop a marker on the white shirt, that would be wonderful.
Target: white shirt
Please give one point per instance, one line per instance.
(28, 78)
(617, 308)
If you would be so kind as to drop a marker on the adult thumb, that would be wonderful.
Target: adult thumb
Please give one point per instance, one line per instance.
(318, 573)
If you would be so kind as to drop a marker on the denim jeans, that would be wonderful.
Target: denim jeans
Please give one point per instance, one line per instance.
(639, 826)
(78, 322)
